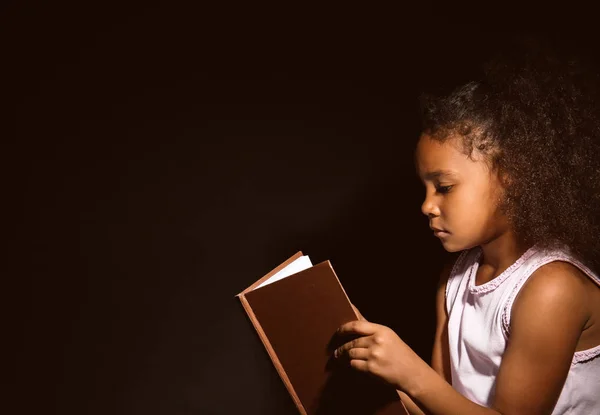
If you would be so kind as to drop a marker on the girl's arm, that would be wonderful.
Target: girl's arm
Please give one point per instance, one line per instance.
(547, 319)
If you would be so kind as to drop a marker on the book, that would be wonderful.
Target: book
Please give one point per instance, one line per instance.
(295, 310)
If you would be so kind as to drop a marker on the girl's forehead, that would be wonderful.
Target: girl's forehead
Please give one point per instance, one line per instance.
(431, 152)
(433, 157)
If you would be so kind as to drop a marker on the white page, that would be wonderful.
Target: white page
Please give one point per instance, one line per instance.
(298, 265)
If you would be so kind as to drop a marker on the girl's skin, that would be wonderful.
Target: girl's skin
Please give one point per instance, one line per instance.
(556, 313)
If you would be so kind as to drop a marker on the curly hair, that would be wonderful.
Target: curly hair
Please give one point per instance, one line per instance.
(534, 115)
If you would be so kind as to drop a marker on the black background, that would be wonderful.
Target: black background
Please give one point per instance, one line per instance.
(165, 156)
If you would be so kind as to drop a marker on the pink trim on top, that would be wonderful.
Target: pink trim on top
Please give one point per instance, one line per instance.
(493, 284)
(579, 356)
(585, 355)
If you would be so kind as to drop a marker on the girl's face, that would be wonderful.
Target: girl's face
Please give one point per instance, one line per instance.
(462, 194)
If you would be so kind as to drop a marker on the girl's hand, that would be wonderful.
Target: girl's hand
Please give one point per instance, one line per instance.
(380, 352)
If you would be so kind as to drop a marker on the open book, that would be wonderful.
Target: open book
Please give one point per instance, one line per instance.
(296, 309)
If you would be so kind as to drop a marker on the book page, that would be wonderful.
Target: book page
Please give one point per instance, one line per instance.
(298, 265)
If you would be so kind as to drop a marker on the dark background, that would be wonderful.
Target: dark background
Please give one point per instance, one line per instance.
(165, 156)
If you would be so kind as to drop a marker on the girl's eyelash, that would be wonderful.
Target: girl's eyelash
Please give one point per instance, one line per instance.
(443, 189)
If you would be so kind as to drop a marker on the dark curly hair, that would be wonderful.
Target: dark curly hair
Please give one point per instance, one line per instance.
(534, 114)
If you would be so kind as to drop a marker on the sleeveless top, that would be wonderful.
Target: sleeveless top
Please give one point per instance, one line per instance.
(479, 328)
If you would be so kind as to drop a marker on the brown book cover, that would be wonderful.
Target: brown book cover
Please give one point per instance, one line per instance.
(296, 318)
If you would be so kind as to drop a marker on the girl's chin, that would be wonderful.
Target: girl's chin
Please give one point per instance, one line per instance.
(453, 246)
(450, 246)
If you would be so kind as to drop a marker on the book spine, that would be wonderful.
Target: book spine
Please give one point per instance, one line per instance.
(280, 370)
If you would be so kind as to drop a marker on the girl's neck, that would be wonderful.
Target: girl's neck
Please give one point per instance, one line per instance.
(499, 254)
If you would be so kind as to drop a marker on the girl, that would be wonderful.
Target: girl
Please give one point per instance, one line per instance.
(511, 167)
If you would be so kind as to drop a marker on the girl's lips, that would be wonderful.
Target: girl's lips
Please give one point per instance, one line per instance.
(440, 233)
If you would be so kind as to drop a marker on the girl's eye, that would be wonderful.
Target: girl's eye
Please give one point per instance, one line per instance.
(443, 189)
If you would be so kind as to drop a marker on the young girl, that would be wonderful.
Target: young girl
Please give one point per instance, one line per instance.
(511, 167)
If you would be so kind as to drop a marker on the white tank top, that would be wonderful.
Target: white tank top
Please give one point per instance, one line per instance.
(479, 327)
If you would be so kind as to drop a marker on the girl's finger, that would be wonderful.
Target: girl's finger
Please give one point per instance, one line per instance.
(359, 327)
(361, 365)
(360, 343)
(358, 354)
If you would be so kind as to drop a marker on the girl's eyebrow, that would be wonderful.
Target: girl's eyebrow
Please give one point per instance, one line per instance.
(438, 174)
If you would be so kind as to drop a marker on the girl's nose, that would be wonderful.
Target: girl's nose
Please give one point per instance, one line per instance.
(429, 208)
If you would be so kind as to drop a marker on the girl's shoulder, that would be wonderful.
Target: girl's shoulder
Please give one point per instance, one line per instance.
(556, 264)
(557, 277)
(557, 289)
